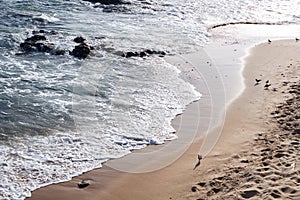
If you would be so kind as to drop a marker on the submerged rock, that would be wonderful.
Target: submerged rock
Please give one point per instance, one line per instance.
(79, 39)
(83, 184)
(143, 53)
(35, 38)
(37, 43)
(108, 2)
(35, 32)
(40, 43)
(117, 9)
(81, 51)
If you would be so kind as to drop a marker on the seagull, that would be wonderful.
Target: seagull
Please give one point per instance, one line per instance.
(257, 80)
(297, 39)
(267, 86)
(269, 41)
(198, 163)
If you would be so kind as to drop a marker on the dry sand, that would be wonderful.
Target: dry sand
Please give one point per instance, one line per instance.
(257, 155)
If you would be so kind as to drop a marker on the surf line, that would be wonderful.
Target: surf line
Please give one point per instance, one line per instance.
(257, 23)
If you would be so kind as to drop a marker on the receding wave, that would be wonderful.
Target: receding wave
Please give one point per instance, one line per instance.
(255, 23)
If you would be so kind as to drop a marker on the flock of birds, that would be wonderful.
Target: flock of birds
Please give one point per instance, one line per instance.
(258, 81)
(267, 84)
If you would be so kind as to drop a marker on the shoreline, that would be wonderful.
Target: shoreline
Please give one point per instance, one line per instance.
(197, 116)
(136, 182)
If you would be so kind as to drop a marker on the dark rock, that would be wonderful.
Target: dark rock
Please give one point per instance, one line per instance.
(44, 47)
(35, 32)
(143, 54)
(148, 51)
(79, 39)
(81, 51)
(117, 9)
(37, 43)
(131, 54)
(27, 46)
(39, 46)
(83, 184)
(52, 32)
(36, 38)
(161, 53)
(108, 2)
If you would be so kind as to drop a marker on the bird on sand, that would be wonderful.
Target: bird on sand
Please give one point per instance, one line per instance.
(257, 81)
(267, 86)
(198, 163)
(297, 39)
(269, 41)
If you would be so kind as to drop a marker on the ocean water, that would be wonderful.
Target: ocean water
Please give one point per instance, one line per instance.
(61, 116)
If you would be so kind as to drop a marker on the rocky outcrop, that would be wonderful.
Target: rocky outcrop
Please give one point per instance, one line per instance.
(37, 43)
(40, 43)
(81, 51)
(79, 39)
(142, 54)
(35, 32)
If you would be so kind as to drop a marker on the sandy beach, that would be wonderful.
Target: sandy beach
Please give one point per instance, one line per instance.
(256, 156)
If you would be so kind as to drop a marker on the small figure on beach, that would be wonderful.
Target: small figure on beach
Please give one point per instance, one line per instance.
(269, 41)
(83, 184)
(267, 86)
(297, 39)
(198, 163)
(257, 81)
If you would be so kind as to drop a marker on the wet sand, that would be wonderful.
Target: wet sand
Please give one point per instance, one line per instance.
(256, 155)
